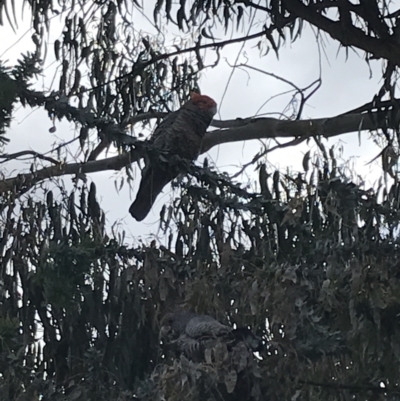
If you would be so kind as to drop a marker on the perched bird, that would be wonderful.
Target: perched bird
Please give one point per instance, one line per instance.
(179, 136)
(190, 334)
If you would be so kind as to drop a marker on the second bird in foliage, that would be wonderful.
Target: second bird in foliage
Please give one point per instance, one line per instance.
(191, 334)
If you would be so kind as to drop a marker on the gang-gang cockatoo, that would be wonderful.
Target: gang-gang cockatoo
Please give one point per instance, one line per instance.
(179, 136)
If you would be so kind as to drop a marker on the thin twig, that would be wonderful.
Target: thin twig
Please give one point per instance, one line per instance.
(257, 157)
(11, 156)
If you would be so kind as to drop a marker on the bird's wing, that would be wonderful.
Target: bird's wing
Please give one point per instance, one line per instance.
(160, 138)
(204, 325)
(188, 345)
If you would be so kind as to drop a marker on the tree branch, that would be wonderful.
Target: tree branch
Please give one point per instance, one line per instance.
(347, 35)
(232, 131)
(261, 128)
(10, 156)
(133, 120)
(23, 182)
(140, 66)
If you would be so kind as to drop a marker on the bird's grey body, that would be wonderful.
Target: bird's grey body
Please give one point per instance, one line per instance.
(179, 136)
(190, 333)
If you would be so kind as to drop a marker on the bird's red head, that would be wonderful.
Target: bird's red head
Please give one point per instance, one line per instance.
(203, 102)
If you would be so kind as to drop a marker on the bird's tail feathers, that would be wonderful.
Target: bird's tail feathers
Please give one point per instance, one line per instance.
(152, 183)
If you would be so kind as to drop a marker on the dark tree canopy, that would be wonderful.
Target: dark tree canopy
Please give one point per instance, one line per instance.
(309, 260)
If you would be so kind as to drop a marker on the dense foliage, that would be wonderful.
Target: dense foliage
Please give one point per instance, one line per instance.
(316, 256)
(309, 260)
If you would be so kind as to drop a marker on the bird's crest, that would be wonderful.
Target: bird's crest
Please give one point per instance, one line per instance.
(203, 101)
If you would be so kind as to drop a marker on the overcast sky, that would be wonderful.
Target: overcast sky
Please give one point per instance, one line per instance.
(347, 82)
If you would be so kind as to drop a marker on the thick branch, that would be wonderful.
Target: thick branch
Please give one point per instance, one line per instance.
(233, 131)
(23, 182)
(347, 35)
(261, 128)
